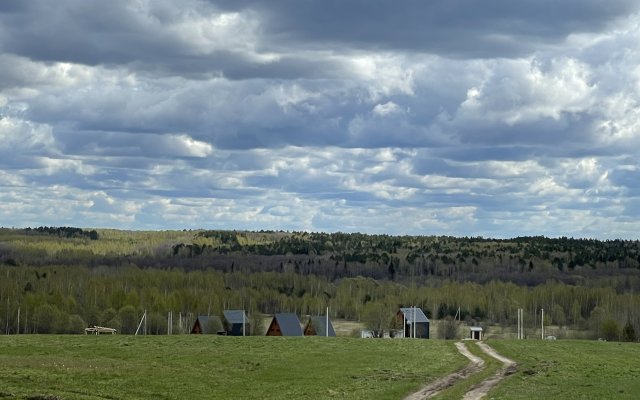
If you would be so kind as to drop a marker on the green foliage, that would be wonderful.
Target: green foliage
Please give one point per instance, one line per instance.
(610, 330)
(629, 332)
(448, 329)
(128, 319)
(110, 280)
(377, 317)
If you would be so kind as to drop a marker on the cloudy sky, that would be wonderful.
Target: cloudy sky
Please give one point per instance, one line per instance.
(495, 118)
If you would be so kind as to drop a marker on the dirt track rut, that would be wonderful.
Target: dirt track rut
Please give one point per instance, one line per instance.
(482, 388)
(475, 365)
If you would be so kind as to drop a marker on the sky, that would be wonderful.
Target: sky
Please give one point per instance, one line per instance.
(497, 118)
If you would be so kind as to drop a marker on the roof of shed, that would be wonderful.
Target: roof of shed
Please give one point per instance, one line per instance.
(408, 314)
(207, 321)
(289, 324)
(235, 316)
(319, 324)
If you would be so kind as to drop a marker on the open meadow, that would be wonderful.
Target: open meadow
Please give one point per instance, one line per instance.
(214, 367)
(570, 369)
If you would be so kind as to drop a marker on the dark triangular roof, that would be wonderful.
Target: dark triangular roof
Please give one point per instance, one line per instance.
(206, 321)
(319, 324)
(235, 316)
(289, 324)
(408, 314)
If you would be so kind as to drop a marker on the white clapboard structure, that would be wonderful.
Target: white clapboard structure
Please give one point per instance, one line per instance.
(96, 330)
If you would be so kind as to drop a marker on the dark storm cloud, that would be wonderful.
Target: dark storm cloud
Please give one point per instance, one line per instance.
(460, 28)
(154, 35)
(144, 36)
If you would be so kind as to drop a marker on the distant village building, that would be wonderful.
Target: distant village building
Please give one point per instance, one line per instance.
(208, 325)
(318, 326)
(408, 316)
(236, 323)
(366, 334)
(96, 330)
(284, 324)
(476, 333)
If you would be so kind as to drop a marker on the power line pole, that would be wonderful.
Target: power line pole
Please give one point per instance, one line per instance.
(542, 323)
(327, 324)
(414, 322)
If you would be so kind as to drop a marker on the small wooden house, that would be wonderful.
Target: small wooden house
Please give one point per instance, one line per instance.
(476, 333)
(408, 316)
(319, 326)
(284, 324)
(236, 323)
(208, 325)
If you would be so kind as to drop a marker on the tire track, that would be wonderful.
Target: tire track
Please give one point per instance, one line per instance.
(481, 389)
(475, 365)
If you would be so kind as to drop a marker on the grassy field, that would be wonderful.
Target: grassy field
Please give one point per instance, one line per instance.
(570, 369)
(176, 367)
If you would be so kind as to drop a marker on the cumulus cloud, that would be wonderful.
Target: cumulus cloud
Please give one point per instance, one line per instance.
(431, 117)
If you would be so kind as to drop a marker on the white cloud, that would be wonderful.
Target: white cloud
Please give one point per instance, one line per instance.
(25, 137)
(387, 108)
(233, 115)
(183, 145)
(525, 90)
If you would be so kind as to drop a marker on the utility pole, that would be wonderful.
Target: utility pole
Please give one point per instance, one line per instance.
(327, 324)
(18, 327)
(404, 325)
(414, 322)
(542, 323)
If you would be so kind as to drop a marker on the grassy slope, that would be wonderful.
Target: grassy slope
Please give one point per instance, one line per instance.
(174, 367)
(570, 370)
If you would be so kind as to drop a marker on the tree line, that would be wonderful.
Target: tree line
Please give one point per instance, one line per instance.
(62, 283)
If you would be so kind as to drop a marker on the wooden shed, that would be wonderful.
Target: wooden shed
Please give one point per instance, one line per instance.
(319, 326)
(236, 323)
(476, 332)
(406, 316)
(284, 324)
(207, 324)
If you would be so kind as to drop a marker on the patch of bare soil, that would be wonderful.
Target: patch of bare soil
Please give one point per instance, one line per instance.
(435, 387)
(482, 388)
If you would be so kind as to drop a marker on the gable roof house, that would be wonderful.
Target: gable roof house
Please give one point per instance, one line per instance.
(284, 324)
(207, 324)
(236, 323)
(405, 316)
(317, 326)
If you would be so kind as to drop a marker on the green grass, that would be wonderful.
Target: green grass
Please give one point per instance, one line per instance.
(570, 369)
(176, 367)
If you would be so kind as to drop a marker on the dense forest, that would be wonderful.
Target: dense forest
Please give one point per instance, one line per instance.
(62, 279)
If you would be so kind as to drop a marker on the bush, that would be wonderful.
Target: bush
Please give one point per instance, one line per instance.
(610, 330)
(629, 332)
(76, 324)
(448, 329)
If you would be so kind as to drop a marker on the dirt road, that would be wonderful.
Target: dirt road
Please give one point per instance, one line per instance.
(481, 389)
(476, 364)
